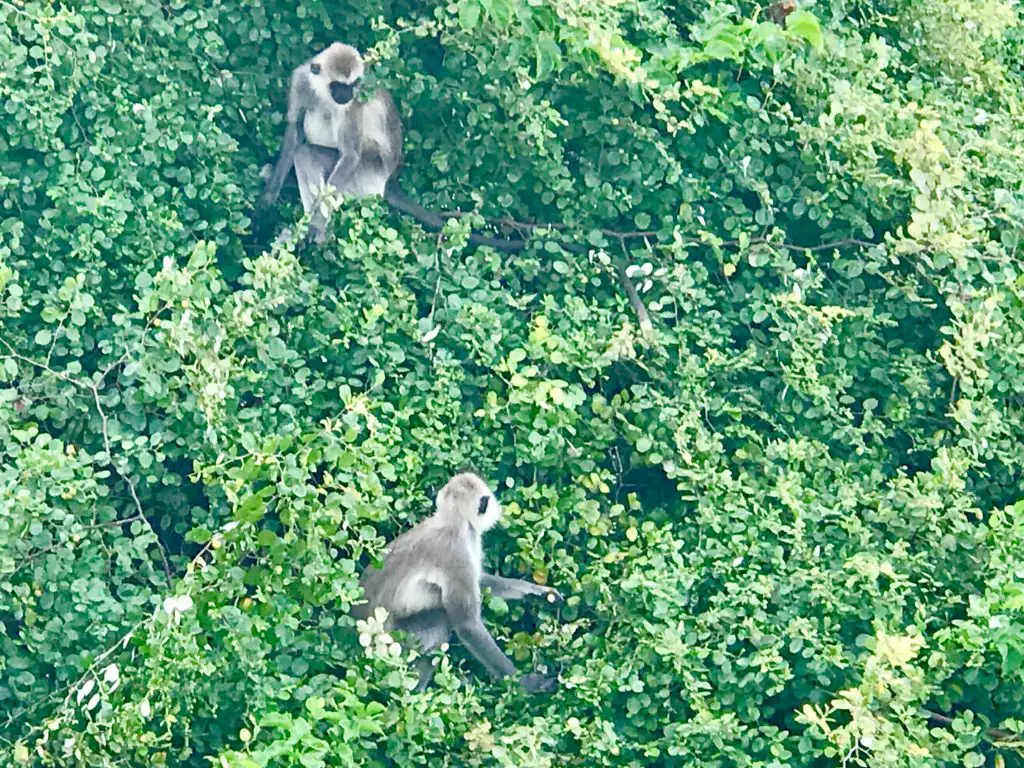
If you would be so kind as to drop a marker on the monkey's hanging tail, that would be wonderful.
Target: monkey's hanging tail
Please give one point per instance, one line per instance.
(400, 201)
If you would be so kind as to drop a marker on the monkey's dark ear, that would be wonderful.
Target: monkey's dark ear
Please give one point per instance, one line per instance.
(314, 68)
(482, 506)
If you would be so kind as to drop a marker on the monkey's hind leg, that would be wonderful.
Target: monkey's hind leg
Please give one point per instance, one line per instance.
(312, 165)
(433, 630)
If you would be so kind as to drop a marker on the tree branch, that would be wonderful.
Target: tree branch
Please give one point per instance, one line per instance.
(525, 226)
(997, 736)
(846, 242)
(635, 301)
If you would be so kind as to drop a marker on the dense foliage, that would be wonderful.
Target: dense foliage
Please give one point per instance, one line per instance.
(787, 519)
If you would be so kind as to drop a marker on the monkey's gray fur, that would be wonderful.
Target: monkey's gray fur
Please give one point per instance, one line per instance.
(431, 578)
(353, 146)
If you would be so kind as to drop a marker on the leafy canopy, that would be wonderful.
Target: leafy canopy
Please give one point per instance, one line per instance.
(787, 519)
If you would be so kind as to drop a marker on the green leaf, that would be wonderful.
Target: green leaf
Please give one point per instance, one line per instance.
(549, 56)
(251, 509)
(44, 337)
(725, 46)
(469, 14)
(198, 535)
(805, 24)
(500, 11)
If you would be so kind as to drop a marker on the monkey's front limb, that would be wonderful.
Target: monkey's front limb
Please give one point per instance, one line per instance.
(478, 640)
(517, 589)
(343, 171)
(312, 164)
(284, 164)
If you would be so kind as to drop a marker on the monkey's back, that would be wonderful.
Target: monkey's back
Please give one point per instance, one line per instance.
(418, 565)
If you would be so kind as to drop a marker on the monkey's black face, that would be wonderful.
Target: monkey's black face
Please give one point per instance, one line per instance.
(341, 92)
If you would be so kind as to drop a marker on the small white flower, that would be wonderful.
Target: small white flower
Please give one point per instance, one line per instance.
(176, 605)
(230, 526)
(84, 691)
(112, 676)
(144, 709)
(737, 562)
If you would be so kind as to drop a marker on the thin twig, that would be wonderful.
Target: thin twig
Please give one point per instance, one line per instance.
(43, 366)
(506, 221)
(121, 641)
(94, 388)
(846, 242)
(997, 736)
(635, 301)
(637, 304)
(40, 552)
(149, 324)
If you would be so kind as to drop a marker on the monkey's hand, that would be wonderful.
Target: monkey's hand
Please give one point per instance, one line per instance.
(535, 682)
(550, 594)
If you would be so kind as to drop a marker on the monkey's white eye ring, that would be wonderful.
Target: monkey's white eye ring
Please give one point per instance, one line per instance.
(314, 68)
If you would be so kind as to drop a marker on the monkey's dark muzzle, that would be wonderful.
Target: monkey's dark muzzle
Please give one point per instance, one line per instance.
(341, 92)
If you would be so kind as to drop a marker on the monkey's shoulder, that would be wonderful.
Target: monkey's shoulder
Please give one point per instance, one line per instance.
(432, 540)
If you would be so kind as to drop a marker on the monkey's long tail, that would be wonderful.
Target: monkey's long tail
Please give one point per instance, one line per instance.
(400, 201)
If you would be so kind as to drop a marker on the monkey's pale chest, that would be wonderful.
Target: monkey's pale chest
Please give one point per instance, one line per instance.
(323, 127)
(420, 592)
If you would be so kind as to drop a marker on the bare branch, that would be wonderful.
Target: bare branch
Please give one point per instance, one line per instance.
(996, 736)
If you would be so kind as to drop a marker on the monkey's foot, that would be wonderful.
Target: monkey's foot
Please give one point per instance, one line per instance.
(535, 682)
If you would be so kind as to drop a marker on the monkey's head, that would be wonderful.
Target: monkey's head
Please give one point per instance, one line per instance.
(335, 73)
(467, 497)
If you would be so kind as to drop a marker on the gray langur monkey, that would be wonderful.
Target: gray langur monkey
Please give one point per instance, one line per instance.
(356, 147)
(431, 578)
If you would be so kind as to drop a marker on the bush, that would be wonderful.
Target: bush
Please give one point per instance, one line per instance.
(786, 517)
